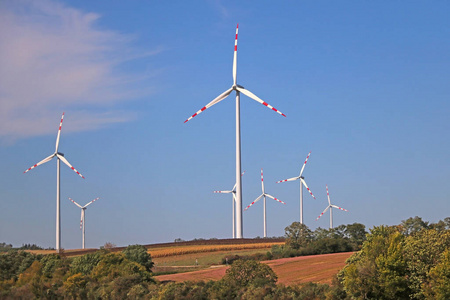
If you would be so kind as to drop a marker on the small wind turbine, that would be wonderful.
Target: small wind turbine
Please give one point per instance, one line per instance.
(264, 194)
(239, 89)
(330, 206)
(233, 191)
(60, 157)
(302, 183)
(82, 222)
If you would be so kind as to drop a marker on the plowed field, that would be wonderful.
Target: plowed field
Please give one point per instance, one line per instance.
(295, 270)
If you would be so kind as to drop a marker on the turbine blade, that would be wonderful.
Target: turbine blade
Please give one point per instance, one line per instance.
(47, 159)
(81, 220)
(256, 200)
(328, 195)
(91, 202)
(235, 56)
(323, 213)
(338, 207)
(270, 196)
(290, 179)
(262, 181)
(304, 183)
(254, 97)
(64, 160)
(304, 164)
(215, 101)
(75, 203)
(223, 192)
(59, 133)
(234, 187)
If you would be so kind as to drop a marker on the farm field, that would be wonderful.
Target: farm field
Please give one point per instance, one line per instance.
(295, 270)
(185, 247)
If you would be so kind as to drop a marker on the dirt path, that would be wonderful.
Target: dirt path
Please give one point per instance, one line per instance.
(314, 268)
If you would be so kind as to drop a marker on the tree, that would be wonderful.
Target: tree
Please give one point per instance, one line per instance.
(84, 264)
(298, 235)
(439, 283)
(356, 232)
(423, 251)
(413, 225)
(379, 270)
(139, 254)
(243, 273)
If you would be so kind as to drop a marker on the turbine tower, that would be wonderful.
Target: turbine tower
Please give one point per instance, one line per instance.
(60, 157)
(239, 89)
(82, 222)
(302, 183)
(330, 206)
(264, 194)
(233, 191)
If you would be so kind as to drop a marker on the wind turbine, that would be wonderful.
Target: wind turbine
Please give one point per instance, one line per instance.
(302, 183)
(233, 191)
(330, 206)
(239, 89)
(82, 222)
(60, 157)
(264, 194)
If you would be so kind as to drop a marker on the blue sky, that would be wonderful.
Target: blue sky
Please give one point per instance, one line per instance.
(364, 85)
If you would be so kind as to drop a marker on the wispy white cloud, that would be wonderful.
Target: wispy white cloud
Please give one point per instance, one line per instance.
(54, 58)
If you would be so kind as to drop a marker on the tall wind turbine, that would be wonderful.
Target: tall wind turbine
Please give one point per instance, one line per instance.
(82, 222)
(302, 183)
(264, 194)
(330, 206)
(239, 89)
(232, 191)
(60, 157)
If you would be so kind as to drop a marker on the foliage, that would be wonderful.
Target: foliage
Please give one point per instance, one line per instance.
(413, 225)
(139, 254)
(423, 252)
(249, 272)
(438, 286)
(15, 262)
(298, 235)
(108, 246)
(410, 261)
(85, 263)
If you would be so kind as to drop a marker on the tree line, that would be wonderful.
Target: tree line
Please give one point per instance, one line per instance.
(407, 261)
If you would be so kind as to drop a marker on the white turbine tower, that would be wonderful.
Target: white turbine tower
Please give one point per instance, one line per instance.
(239, 89)
(233, 191)
(264, 194)
(302, 183)
(330, 206)
(60, 157)
(82, 222)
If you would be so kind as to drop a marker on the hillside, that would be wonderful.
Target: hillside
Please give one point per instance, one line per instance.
(314, 268)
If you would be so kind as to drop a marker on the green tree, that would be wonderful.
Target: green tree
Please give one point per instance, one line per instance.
(249, 272)
(379, 271)
(356, 233)
(298, 235)
(84, 264)
(423, 252)
(438, 286)
(413, 225)
(139, 254)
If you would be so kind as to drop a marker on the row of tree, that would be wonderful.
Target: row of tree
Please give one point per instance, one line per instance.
(407, 261)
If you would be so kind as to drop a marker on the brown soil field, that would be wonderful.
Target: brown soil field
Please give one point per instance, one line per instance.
(295, 270)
